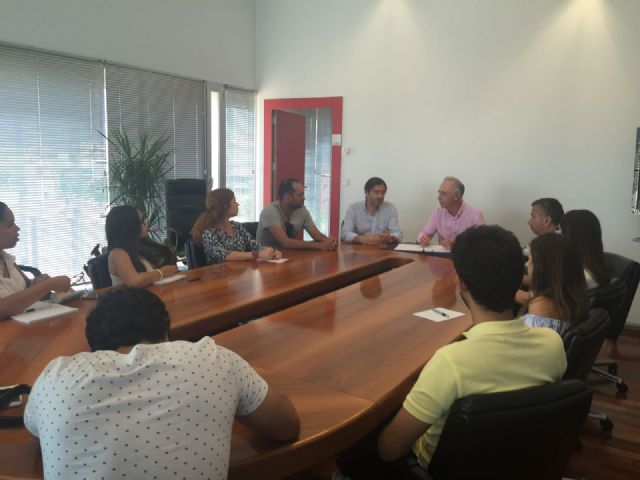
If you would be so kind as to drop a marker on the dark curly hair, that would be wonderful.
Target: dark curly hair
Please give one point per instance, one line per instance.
(126, 317)
(489, 260)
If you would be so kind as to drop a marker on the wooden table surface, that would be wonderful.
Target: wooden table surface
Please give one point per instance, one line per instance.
(346, 357)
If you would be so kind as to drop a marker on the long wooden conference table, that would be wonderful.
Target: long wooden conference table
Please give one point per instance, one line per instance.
(335, 331)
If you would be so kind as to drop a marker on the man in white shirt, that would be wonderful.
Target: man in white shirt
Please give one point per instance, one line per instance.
(138, 406)
(372, 221)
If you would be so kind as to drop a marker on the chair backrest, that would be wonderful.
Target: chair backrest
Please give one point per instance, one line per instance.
(185, 199)
(98, 270)
(523, 434)
(610, 297)
(629, 271)
(32, 270)
(252, 228)
(583, 342)
(195, 255)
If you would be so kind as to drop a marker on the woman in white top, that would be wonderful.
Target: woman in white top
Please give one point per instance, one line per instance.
(17, 292)
(125, 227)
(558, 288)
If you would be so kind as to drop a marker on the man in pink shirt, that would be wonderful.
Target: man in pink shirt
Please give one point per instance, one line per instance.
(452, 218)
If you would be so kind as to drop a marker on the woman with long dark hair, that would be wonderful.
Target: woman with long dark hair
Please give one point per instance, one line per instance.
(17, 291)
(558, 287)
(125, 229)
(222, 239)
(583, 227)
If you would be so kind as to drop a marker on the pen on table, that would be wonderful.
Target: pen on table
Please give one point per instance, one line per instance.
(30, 310)
(440, 312)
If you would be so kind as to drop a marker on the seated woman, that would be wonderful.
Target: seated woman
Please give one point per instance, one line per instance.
(558, 287)
(17, 292)
(222, 239)
(125, 229)
(583, 227)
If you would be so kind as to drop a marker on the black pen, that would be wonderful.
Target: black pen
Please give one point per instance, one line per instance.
(440, 312)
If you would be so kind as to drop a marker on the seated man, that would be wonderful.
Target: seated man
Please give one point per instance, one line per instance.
(139, 406)
(452, 218)
(498, 354)
(281, 221)
(546, 214)
(372, 221)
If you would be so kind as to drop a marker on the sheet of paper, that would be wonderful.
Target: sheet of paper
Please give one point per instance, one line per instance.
(435, 248)
(438, 314)
(278, 260)
(40, 311)
(171, 279)
(409, 247)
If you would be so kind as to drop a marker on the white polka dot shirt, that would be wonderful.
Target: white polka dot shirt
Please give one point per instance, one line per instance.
(161, 411)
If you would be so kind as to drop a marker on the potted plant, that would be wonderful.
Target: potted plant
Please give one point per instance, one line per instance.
(138, 172)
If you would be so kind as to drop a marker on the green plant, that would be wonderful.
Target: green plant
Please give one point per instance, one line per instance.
(138, 171)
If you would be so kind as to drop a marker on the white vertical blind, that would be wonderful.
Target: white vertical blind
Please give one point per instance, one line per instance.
(52, 160)
(240, 157)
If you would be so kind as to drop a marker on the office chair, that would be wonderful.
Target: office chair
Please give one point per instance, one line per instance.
(523, 434)
(252, 228)
(629, 271)
(611, 297)
(98, 271)
(582, 343)
(32, 270)
(195, 255)
(185, 199)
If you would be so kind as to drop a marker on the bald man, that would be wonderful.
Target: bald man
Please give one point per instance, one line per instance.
(452, 218)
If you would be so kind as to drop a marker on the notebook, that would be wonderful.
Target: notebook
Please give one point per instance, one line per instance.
(414, 247)
(40, 311)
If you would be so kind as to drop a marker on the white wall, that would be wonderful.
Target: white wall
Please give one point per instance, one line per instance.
(520, 99)
(187, 37)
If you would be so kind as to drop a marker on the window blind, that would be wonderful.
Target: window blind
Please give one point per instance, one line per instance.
(157, 104)
(240, 155)
(53, 164)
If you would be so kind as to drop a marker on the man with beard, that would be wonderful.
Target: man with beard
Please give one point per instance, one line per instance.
(281, 221)
(372, 221)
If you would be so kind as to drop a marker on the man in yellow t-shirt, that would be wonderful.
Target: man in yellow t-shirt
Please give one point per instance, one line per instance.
(498, 353)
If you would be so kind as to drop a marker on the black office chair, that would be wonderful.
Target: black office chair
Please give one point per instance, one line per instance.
(610, 297)
(185, 199)
(252, 228)
(520, 434)
(629, 271)
(195, 255)
(98, 271)
(32, 270)
(582, 343)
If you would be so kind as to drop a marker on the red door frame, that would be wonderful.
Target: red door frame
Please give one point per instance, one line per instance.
(335, 104)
